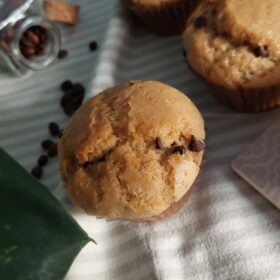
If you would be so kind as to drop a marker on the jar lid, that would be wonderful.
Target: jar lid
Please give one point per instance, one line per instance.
(12, 10)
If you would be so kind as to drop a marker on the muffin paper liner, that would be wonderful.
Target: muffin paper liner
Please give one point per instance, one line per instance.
(167, 19)
(250, 100)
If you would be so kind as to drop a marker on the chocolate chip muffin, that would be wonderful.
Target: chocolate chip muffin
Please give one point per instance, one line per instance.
(164, 17)
(235, 47)
(132, 152)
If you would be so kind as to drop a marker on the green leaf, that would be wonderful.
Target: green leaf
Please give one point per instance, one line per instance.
(38, 238)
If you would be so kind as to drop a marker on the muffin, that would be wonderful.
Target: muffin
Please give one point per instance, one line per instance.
(132, 152)
(164, 17)
(235, 47)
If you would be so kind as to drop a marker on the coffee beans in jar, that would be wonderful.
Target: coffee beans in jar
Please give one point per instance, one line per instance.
(28, 40)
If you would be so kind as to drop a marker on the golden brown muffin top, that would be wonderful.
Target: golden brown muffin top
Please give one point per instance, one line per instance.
(118, 154)
(235, 43)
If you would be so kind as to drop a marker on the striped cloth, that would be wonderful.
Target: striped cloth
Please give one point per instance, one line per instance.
(226, 231)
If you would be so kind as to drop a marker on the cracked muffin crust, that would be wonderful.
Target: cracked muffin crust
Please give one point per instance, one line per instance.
(132, 151)
(235, 45)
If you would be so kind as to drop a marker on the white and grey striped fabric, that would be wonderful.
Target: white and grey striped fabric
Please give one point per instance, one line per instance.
(226, 230)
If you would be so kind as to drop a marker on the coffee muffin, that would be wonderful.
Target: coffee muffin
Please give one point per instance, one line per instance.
(235, 46)
(132, 152)
(164, 17)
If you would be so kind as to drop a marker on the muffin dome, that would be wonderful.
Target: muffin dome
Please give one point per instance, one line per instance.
(132, 151)
(235, 44)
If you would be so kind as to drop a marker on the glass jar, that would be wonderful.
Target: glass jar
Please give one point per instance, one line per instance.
(28, 40)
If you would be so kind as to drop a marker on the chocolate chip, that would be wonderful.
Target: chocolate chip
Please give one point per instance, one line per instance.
(174, 144)
(60, 133)
(158, 144)
(86, 164)
(93, 46)
(101, 159)
(46, 144)
(200, 22)
(52, 152)
(62, 54)
(54, 129)
(66, 85)
(196, 145)
(43, 160)
(37, 172)
(179, 149)
(261, 51)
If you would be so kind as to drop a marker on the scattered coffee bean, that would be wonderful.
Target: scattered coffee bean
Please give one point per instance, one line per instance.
(54, 129)
(52, 152)
(93, 46)
(37, 172)
(158, 144)
(62, 54)
(261, 51)
(66, 85)
(196, 145)
(46, 144)
(43, 160)
(73, 99)
(200, 22)
(66, 98)
(179, 149)
(79, 89)
(60, 133)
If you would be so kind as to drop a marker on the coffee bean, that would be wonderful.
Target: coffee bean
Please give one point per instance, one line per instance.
(41, 50)
(37, 172)
(62, 54)
(200, 22)
(78, 89)
(32, 37)
(158, 144)
(25, 42)
(196, 145)
(93, 46)
(46, 144)
(28, 52)
(52, 152)
(179, 149)
(33, 42)
(54, 129)
(66, 85)
(43, 160)
(65, 100)
(261, 51)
